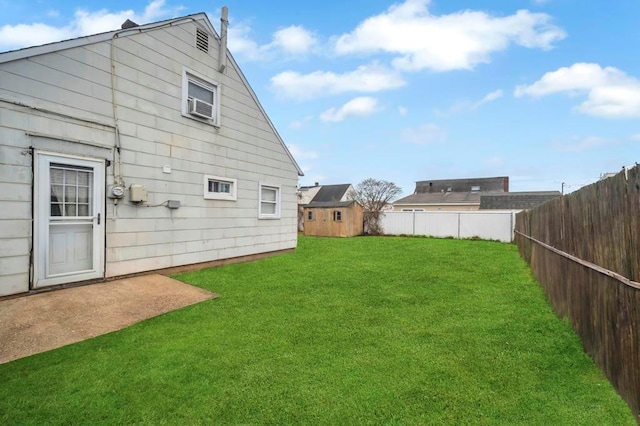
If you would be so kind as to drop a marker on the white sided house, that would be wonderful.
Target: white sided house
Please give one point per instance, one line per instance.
(135, 150)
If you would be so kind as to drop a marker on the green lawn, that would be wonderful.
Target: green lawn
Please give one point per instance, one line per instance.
(343, 331)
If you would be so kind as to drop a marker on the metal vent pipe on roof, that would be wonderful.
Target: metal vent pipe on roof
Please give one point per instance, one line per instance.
(224, 24)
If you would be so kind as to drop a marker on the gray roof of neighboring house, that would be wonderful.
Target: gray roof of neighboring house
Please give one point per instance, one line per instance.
(516, 200)
(330, 193)
(490, 184)
(442, 198)
(303, 188)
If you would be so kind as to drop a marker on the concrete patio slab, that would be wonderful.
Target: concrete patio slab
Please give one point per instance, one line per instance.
(45, 321)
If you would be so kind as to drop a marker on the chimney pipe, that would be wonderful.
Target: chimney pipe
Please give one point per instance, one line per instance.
(224, 23)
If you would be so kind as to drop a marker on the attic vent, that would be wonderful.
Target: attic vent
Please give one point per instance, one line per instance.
(202, 40)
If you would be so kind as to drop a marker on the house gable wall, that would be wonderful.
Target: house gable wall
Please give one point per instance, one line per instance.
(72, 90)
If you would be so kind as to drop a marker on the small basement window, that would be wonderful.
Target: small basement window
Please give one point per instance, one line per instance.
(220, 188)
(337, 215)
(200, 98)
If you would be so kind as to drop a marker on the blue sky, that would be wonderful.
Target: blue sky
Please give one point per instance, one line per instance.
(542, 91)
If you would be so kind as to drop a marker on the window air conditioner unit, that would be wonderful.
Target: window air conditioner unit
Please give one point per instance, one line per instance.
(200, 108)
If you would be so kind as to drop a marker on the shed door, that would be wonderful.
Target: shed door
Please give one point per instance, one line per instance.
(69, 222)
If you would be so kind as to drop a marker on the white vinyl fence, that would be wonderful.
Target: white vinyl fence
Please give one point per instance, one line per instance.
(483, 224)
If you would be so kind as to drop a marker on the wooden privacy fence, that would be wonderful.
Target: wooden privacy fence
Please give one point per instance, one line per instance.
(584, 250)
(485, 224)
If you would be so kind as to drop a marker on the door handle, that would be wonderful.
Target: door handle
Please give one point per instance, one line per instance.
(98, 218)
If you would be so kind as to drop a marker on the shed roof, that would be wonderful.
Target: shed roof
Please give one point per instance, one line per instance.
(329, 204)
(331, 193)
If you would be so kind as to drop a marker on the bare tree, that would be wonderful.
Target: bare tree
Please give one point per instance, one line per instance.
(374, 195)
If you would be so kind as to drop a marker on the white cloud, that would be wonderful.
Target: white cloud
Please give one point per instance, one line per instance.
(241, 44)
(84, 22)
(300, 154)
(294, 40)
(366, 78)
(23, 35)
(304, 158)
(635, 137)
(494, 162)
(579, 144)
(403, 110)
(290, 41)
(462, 107)
(425, 134)
(299, 124)
(610, 92)
(490, 97)
(357, 107)
(459, 40)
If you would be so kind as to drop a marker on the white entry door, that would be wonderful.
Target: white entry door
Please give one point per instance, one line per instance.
(69, 219)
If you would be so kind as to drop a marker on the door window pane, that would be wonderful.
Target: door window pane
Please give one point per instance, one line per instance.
(70, 190)
(83, 210)
(70, 210)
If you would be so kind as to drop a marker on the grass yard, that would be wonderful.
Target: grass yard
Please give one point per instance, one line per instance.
(343, 331)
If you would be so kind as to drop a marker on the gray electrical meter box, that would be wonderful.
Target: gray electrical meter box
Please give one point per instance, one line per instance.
(137, 193)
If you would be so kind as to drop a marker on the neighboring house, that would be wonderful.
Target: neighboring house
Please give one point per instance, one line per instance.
(306, 193)
(333, 212)
(607, 175)
(135, 150)
(516, 200)
(470, 194)
(451, 194)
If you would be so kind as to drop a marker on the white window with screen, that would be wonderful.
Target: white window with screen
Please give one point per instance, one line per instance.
(200, 98)
(220, 188)
(269, 201)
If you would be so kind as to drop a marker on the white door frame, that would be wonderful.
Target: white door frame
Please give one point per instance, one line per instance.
(42, 275)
